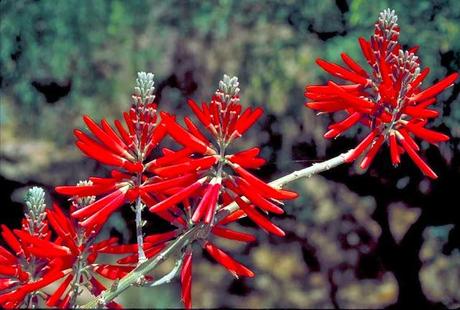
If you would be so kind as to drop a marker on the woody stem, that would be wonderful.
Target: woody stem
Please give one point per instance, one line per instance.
(194, 232)
(139, 234)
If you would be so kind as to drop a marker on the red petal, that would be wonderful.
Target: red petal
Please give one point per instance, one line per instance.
(427, 134)
(171, 158)
(11, 240)
(97, 205)
(108, 141)
(87, 190)
(202, 117)
(243, 124)
(257, 199)
(236, 215)
(419, 79)
(356, 102)
(361, 146)
(6, 283)
(259, 219)
(6, 257)
(194, 130)
(409, 139)
(176, 198)
(161, 186)
(436, 88)
(327, 106)
(262, 187)
(231, 234)
(54, 298)
(417, 112)
(394, 151)
(353, 65)
(372, 152)
(367, 51)
(43, 248)
(417, 160)
(112, 272)
(96, 220)
(341, 72)
(186, 280)
(205, 203)
(184, 137)
(187, 167)
(225, 260)
(160, 238)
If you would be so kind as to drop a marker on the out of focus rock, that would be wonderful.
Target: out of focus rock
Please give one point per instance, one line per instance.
(372, 293)
(401, 218)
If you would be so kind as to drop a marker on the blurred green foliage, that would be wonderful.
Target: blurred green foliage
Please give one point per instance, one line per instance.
(95, 47)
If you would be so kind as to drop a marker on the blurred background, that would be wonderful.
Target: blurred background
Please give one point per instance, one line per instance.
(385, 238)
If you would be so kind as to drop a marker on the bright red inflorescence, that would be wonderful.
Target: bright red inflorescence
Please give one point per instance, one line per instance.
(186, 187)
(127, 150)
(203, 175)
(389, 100)
(40, 260)
(192, 184)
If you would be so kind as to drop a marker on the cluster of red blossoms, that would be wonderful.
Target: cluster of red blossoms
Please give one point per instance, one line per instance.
(187, 187)
(38, 258)
(389, 100)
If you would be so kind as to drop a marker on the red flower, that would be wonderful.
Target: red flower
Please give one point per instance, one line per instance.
(126, 149)
(200, 169)
(388, 100)
(116, 191)
(73, 247)
(186, 280)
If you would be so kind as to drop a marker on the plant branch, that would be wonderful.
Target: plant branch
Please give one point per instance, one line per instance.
(293, 176)
(142, 269)
(140, 238)
(194, 233)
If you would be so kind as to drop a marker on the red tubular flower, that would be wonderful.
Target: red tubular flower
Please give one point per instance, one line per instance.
(388, 100)
(225, 260)
(224, 120)
(126, 147)
(116, 190)
(73, 247)
(186, 280)
(17, 280)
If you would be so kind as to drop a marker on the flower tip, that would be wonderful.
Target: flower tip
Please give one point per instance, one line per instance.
(330, 134)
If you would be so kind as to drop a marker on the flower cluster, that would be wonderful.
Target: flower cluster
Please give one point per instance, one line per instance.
(40, 256)
(204, 178)
(127, 149)
(186, 187)
(389, 100)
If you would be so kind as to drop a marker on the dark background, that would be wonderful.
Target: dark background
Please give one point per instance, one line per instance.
(383, 238)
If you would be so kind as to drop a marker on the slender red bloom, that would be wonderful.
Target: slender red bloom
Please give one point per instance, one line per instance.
(126, 146)
(389, 100)
(73, 244)
(186, 280)
(229, 263)
(204, 157)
